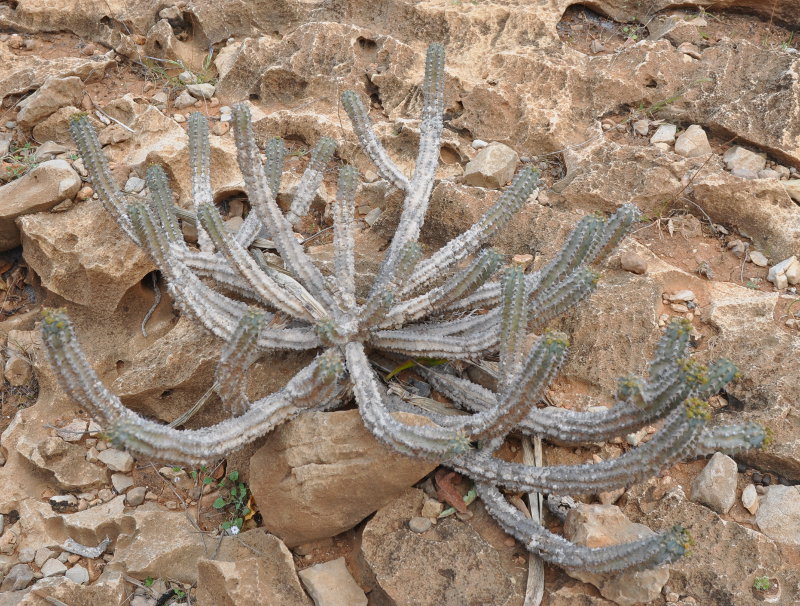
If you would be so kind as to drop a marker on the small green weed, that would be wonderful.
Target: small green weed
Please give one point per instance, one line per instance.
(233, 499)
(762, 584)
(20, 160)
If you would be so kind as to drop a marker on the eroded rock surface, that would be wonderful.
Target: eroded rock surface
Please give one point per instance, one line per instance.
(323, 472)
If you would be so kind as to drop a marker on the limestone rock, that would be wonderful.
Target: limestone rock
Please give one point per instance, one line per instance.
(715, 486)
(201, 91)
(323, 472)
(110, 589)
(450, 565)
(792, 187)
(18, 371)
(633, 263)
(692, 142)
(331, 584)
(116, 460)
(740, 158)
(492, 167)
(760, 207)
(716, 572)
(665, 133)
(750, 498)
(252, 568)
(785, 273)
(604, 525)
(40, 190)
(78, 574)
(778, 515)
(53, 567)
(83, 256)
(769, 365)
(17, 578)
(184, 100)
(150, 551)
(56, 126)
(54, 93)
(65, 461)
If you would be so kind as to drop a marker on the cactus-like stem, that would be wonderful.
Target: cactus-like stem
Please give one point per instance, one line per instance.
(114, 201)
(230, 378)
(200, 166)
(492, 221)
(362, 126)
(652, 551)
(343, 238)
(261, 283)
(311, 179)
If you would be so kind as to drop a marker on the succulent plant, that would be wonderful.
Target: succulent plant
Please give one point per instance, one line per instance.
(458, 303)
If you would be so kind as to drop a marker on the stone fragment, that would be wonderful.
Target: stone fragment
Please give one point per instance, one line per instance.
(73, 431)
(784, 273)
(682, 296)
(321, 458)
(758, 259)
(151, 551)
(116, 460)
(492, 167)
(82, 255)
(40, 190)
(630, 261)
(53, 567)
(121, 482)
(201, 91)
(65, 460)
(778, 514)
(183, 100)
(750, 498)
(134, 185)
(18, 370)
(55, 128)
(331, 584)
(692, 142)
(768, 173)
(78, 574)
(604, 525)
(54, 93)
(42, 555)
(17, 578)
(740, 158)
(715, 486)
(641, 127)
(449, 564)
(419, 524)
(252, 568)
(135, 496)
(665, 133)
(792, 187)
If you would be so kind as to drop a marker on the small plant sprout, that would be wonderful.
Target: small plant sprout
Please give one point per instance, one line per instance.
(762, 584)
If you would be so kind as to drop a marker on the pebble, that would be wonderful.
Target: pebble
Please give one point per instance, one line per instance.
(664, 134)
(372, 216)
(419, 524)
(179, 118)
(15, 41)
(737, 247)
(220, 128)
(116, 460)
(187, 77)
(183, 100)
(479, 144)
(42, 555)
(53, 567)
(682, 296)
(641, 127)
(679, 307)
(692, 142)
(597, 46)
(633, 263)
(134, 185)
(77, 574)
(121, 482)
(750, 498)
(757, 258)
(201, 91)
(84, 193)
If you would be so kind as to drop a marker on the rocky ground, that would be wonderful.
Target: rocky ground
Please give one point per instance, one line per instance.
(689, 110)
